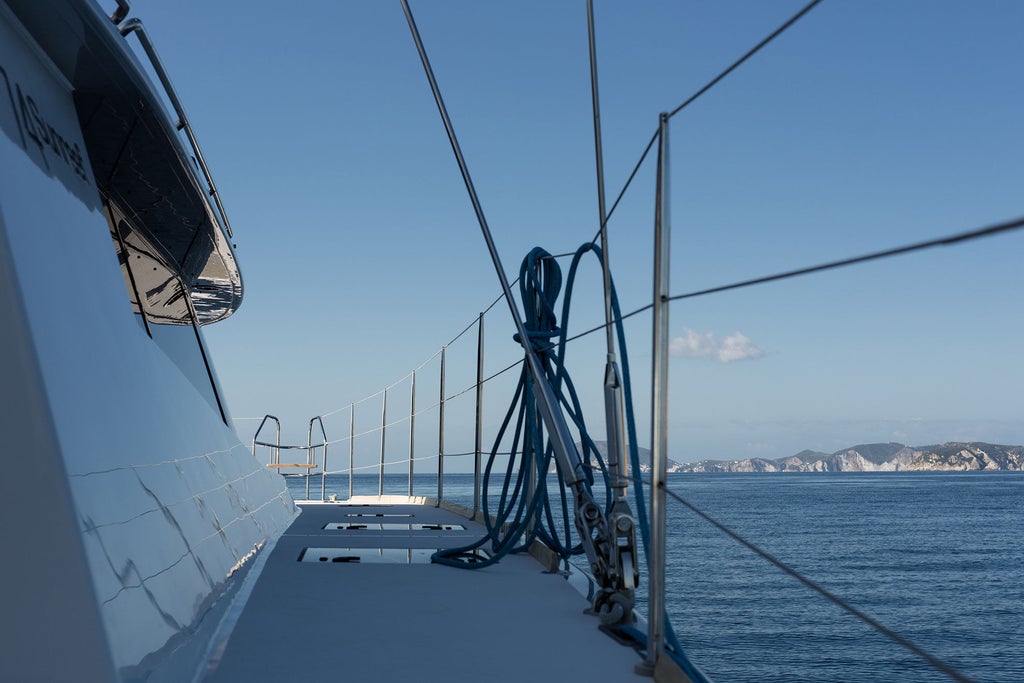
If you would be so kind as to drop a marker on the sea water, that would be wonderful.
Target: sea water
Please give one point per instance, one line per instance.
(936, 557)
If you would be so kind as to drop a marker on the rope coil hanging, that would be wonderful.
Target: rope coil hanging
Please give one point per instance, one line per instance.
(519, 519)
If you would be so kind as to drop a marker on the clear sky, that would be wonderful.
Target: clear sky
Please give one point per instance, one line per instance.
(868, 125)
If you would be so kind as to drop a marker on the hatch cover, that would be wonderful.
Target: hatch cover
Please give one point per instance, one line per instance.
(368, 555)
(375, 555)
(378, 514)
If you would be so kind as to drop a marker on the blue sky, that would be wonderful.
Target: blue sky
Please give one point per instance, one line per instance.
(867, 125)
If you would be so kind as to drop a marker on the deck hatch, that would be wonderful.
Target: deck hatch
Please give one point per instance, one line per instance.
(378, 514)
(367, 555)
(392, 526)
(373, 555)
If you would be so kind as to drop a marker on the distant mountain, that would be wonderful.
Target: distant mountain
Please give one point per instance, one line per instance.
(878, 457)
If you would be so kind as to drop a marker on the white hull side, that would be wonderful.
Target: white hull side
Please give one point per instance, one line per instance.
(166, 500)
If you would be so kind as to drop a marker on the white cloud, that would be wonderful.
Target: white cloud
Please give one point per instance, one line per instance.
(706, 345)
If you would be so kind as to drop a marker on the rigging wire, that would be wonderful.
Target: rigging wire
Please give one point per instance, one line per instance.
(543, 451)
(958, 238)
(629, 181)
(608, 323)
(421, 365)
(750, 53)
(966, 236)
(595, 101)
(521, 517)
(824, 592)
(697, 95)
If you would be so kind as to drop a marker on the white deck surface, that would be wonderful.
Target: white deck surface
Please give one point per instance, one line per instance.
(406, 622)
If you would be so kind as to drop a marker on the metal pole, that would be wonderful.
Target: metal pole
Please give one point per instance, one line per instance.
(479, 438)
(323, 468)
(531, 473)
(351, 446)
(613, 400)
(323, 476)
(383, 434)
(309, 455)
(599, 159)
(659, 405)
(440, 436)
(412, 428)
(558, 430)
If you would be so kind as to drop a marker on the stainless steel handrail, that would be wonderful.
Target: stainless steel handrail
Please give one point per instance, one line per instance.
(118, 15)
(412, 429)
(478, 434)
(275, 454)
(284, 447)
(310, 448)
(414, 412)
(352, 447)
(135, 26)
(311, 457)
(440, 434)
(383, 439)
(659, 407)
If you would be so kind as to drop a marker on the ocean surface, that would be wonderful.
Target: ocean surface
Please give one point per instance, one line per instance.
(937, 557)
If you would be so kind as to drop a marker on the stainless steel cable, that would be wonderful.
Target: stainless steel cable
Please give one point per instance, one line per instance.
(750, 53)
(817, 588)
(967, 236)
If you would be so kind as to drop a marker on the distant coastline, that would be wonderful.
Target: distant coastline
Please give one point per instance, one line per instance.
(953, 456)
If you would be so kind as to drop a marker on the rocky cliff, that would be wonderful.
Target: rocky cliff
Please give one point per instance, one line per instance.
(645, 459)
(877, 457)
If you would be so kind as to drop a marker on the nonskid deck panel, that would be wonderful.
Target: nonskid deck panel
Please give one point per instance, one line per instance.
(369, 620)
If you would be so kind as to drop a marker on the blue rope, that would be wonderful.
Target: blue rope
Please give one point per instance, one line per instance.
(517, 521)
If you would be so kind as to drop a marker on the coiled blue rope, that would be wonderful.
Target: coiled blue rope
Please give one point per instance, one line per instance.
(519, 519)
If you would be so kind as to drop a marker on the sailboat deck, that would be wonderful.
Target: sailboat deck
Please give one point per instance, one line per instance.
(400, 620)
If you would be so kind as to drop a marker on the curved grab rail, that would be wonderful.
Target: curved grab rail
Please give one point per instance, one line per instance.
(275, 453)
(135, 26)
(276, 447)
(118, 15)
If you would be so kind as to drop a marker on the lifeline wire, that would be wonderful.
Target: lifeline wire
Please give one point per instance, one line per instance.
(417, 368)
(750, 53)
(842, 604)
(628, 182)
(934, 661)
(988, 231)
(968, 236)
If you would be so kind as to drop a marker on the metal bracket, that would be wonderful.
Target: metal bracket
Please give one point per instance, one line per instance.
(118, 15)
